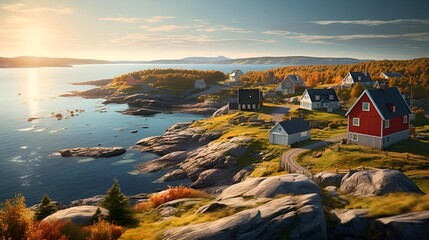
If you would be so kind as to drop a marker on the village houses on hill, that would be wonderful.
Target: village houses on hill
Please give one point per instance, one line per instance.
(379, 118)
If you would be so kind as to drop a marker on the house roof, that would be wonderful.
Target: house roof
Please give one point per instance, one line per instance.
(363, 77)
(323, 93)
(383, 99)
(249, 96)
(235, 72)
(296, 79)
(295, 125)
(393, 74)
(284, 84)
(135, 76)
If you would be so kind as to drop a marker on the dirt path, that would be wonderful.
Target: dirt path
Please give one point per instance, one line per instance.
(288, 162)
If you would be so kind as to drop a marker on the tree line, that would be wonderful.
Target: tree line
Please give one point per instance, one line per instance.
(171, 78)
(415, 73)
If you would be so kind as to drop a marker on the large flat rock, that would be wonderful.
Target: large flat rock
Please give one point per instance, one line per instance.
(81, 215)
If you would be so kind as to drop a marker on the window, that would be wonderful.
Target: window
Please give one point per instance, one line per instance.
(365, 106)
(386, 123)
(354, 137)
(405, 118)
(280, 129)
(249, 106)
(393, 108)
(304, 134)
(356, 122)
(254, 106)
(359, 78)
(317, 97)
(331, 97)
(243, 106)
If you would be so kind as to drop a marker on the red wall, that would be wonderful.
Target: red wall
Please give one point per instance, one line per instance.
(396, 125)
(370, 122)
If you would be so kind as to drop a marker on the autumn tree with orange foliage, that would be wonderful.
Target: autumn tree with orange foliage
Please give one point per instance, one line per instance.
(15, 219)
(48, 230)
(103, 230)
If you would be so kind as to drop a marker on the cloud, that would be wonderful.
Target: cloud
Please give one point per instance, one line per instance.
(185, 39)
(325, 39)
(25, 8)
(373, 22)
(156, 19)
(217, 28)
(120, 19)
(164, 28)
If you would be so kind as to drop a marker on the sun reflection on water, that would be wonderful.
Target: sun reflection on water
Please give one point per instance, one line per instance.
(33, 91)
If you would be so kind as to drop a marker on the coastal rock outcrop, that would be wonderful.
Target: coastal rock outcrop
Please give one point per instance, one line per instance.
(412, 225)
(81, 215)
(221, 111)
(179, 137)
(293, 216)
(95, 152)
(140, 111)
(377, 182)
(325, 179)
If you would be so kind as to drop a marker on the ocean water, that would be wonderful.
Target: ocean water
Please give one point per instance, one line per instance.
(27, 163)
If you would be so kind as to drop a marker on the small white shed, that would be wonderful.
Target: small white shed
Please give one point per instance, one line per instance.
(289, 132)
(200, 84)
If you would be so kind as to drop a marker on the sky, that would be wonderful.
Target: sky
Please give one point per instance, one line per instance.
(172, 29)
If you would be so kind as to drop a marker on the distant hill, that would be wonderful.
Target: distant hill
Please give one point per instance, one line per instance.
(27, 61)
(190, 60)
(292, 61)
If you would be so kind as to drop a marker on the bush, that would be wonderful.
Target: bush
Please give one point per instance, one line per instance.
(104, 230)
(15, 219)
(52, 230)
(172, 193)
(333, 125)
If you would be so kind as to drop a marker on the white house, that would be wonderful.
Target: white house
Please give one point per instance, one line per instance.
(358, 77)
(200, 84)
(320, 98)
(289, 132)
(289, 84)
(235, 75)
(389, 75)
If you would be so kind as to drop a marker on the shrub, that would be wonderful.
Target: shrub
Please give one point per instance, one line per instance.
(172, 193)
(333, 125)
(104, 230)
(52, 230)
(46, 208)
(15, 219)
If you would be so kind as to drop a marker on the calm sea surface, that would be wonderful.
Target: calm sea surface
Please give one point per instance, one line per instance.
(26, 163)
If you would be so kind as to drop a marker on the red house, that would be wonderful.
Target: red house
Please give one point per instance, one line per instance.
(133, 79)
(379, 118)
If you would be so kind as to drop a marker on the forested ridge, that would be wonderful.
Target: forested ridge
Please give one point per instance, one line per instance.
(415, 71)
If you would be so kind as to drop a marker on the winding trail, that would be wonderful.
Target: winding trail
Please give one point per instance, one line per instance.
(288, 162)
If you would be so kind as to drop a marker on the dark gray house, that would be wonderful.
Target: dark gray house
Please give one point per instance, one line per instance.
(289, 132)
(249, 99)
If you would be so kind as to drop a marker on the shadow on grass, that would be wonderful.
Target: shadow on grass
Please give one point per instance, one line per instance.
(413, 146)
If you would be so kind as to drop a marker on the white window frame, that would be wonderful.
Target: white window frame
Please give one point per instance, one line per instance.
(356, 124)
(394, 108)
(249, 106)
(387, 123)
(331, 97)
(405, 119)
(317, 97)
(243, 106)
(355, 137)
(363, 106)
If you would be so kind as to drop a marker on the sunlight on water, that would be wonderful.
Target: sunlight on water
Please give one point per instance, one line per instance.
(33, 91)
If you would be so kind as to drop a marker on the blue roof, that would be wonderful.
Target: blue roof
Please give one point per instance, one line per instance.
(393, 74)
(363, 77)
(323, 94)
(295, 125)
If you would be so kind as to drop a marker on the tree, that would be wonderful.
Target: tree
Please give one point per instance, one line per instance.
(356, 91)
(120, 211)
(15, 219)
(46, 208)
(98, 215)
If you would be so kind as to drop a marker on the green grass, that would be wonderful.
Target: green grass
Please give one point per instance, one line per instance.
(416, 146)
(321, 134)
(321, 116)
(391, 204)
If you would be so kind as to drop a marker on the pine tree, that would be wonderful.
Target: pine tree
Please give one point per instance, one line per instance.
(46, 208)
(97, 216)
(119, 208)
